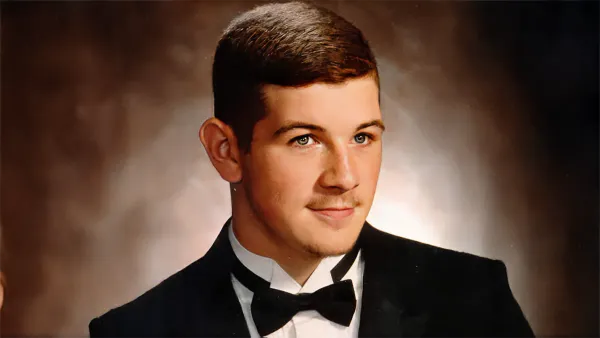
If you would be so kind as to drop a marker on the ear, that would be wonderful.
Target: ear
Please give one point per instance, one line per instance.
(221, 146)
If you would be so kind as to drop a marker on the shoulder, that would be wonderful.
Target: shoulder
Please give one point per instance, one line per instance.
(176, 302)
(468, 292)
(435, 263)
(149, 313)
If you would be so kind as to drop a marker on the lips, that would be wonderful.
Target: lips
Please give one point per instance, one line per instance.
(335, 214)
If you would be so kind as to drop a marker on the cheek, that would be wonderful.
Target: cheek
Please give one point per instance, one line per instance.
(372, 170)
(369, 170)
(283, 184)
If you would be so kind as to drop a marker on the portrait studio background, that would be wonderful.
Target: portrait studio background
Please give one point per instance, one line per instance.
(491, 148)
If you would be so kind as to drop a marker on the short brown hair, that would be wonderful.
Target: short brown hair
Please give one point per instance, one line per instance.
(290, 44)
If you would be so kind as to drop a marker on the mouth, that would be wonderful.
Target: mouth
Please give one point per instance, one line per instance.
(334, 213)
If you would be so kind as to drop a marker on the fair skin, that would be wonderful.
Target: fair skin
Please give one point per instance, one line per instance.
(304, 190)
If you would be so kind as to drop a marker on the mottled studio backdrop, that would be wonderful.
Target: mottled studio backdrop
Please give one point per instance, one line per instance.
(492, 147)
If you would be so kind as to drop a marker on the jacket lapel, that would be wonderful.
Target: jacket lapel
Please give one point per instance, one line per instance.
(226, 318)
(216, 309)
(390, 306)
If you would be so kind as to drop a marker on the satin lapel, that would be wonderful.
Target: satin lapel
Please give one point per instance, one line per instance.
(390, 307)
(226, 318)
(216, 310)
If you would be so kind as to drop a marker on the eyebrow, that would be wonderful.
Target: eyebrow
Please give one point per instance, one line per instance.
(288, 126)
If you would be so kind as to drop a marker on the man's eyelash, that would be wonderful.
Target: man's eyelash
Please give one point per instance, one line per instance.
(301, 137)
(371, 136)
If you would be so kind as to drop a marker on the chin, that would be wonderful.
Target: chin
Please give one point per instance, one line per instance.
(327, 251)
(329, 242)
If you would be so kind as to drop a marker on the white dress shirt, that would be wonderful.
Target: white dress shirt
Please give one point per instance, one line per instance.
(305, 324)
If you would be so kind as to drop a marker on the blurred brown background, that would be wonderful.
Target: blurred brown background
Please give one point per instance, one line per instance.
(492, 148)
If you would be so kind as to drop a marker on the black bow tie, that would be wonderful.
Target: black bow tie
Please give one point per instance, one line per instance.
(272, 308)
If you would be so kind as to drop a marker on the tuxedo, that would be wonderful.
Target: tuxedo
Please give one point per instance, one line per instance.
(409, 289)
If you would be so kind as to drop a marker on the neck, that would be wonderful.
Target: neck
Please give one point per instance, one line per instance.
(260, 240)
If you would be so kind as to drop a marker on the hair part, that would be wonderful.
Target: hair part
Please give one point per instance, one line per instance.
(292, 44)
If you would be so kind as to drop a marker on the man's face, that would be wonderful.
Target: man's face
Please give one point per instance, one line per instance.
(318, 148)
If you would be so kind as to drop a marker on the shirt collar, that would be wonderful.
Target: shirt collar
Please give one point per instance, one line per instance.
(269, 270)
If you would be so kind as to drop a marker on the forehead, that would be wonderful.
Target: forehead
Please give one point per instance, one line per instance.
(351, 103)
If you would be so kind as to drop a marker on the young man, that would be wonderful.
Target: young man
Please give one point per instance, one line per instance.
(297, 133)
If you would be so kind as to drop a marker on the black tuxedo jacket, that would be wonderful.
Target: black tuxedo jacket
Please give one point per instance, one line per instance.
(410, 289)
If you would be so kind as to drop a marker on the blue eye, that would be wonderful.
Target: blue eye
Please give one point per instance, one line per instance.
(302, 140)
(362, 138)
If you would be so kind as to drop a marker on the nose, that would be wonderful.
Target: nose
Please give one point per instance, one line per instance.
(340, 171)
